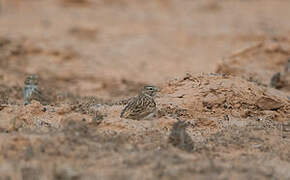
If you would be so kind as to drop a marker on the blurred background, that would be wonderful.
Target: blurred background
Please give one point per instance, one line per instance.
(89, 54)
(112, 47)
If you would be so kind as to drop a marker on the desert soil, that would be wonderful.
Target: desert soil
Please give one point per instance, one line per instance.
(221, 113)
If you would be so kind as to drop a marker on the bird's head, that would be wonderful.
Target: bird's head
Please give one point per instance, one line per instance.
(31, 80)
(150, 90)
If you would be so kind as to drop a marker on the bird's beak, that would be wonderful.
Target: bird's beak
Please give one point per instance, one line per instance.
(158, 91)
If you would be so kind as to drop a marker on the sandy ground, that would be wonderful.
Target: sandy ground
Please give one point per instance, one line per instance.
(223, 112)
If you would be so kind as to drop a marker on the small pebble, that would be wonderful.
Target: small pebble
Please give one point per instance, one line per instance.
(226, 117)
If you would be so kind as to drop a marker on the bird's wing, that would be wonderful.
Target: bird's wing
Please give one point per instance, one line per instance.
(126, 111)
(138, 107)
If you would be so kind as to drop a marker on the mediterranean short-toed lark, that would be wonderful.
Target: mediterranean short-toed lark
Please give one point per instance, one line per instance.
(143, 106)
(31, 90)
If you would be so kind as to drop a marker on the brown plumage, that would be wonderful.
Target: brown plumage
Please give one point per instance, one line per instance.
(143, 106)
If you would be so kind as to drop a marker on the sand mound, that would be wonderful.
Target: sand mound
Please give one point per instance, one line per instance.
(258, 63)
(215, 95)
(209, 102)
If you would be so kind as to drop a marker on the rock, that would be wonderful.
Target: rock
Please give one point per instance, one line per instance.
(266, 103)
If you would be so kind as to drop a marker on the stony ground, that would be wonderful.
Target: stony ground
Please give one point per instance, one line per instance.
(223, 66)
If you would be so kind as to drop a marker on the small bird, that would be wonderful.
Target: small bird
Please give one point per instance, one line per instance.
(31, 90)
(143, 106)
